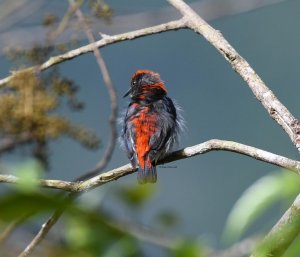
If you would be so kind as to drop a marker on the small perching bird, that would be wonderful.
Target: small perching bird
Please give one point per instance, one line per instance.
(151, 125)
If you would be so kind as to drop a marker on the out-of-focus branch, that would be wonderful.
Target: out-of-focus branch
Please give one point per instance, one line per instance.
(111, 91)
(9, 229)
(205, 147)
(9, 143)
(42, 233)
(144, 234)
(274, 107)
(282, 234)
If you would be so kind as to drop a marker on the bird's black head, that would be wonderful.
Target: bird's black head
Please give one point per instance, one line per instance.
(146, 84)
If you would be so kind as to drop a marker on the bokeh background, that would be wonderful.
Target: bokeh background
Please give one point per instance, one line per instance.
(216, 103)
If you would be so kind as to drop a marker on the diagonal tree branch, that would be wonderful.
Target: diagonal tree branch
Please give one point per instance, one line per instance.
(106, 40)
(112, 94)
(192, 20)
(211, 145)
(205, 147)
(274, 107)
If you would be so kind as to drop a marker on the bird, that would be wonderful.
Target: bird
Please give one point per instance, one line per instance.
(151, 124)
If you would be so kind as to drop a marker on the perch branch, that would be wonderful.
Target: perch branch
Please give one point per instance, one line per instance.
(205, 147)
(211, 145)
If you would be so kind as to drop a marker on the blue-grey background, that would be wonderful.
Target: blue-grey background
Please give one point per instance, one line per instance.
(217, 103)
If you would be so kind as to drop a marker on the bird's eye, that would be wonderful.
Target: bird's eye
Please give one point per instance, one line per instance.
(134, 83)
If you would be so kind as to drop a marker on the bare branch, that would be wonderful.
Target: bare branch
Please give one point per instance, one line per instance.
(145, 234)
(11, 227)
(205, 147)
(117, 173)
(172, 25)
(211, 145)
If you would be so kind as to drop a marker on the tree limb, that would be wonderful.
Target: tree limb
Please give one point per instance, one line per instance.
(205, 147)
(106, 40)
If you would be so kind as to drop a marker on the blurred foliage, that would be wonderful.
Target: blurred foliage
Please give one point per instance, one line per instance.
(30, 102)
(85, 231)
(100, 9)
(50, 20)
(86, 239)
(28, 173)
(191, 248)
(167, 219)
(27, 106)
(135, 195)
(277, 187)
(294, 249)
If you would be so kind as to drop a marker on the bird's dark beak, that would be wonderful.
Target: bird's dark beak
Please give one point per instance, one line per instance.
(127, 93)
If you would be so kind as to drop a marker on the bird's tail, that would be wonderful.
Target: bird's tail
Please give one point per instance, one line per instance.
(147, 174)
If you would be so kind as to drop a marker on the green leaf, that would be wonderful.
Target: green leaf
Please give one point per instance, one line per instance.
(294, 249)
(275, 187)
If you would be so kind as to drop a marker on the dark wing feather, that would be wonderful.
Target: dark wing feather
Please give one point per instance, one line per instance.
(166, 134)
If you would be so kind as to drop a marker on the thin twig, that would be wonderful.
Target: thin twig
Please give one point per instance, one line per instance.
(145, 234)
(205, 147)
(9, 143)
(274, 107)
(11, 227)
(42, 233)
(112, 94)
(107, 40)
